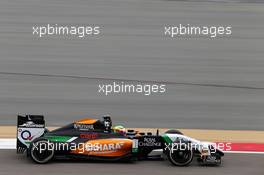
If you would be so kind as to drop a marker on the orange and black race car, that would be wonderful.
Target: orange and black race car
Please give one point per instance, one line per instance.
(95, 139)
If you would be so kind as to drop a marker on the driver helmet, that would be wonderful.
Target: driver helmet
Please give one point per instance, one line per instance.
(119, 129)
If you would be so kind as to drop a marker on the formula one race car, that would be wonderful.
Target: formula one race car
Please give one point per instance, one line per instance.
(97, 140)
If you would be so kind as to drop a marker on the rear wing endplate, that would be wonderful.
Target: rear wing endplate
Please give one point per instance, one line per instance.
(29, 127)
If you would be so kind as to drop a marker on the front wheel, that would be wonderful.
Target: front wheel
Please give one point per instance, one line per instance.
(41, 151)
(180, 154)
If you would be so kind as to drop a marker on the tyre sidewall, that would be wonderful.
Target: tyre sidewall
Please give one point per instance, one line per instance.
(170, 157)
(32, 148)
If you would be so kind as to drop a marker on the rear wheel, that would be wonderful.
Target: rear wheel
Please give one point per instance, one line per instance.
(41, 151)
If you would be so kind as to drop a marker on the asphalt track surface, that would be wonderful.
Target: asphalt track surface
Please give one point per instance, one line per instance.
(211, 83)
(235, 164)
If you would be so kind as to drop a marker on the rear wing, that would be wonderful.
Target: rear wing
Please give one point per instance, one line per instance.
(29, 127)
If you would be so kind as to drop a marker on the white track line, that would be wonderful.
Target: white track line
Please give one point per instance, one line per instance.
(7, 143)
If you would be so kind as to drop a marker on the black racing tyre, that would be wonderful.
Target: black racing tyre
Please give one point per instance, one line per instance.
(41, 151)
(173, 131)
(180, 157)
